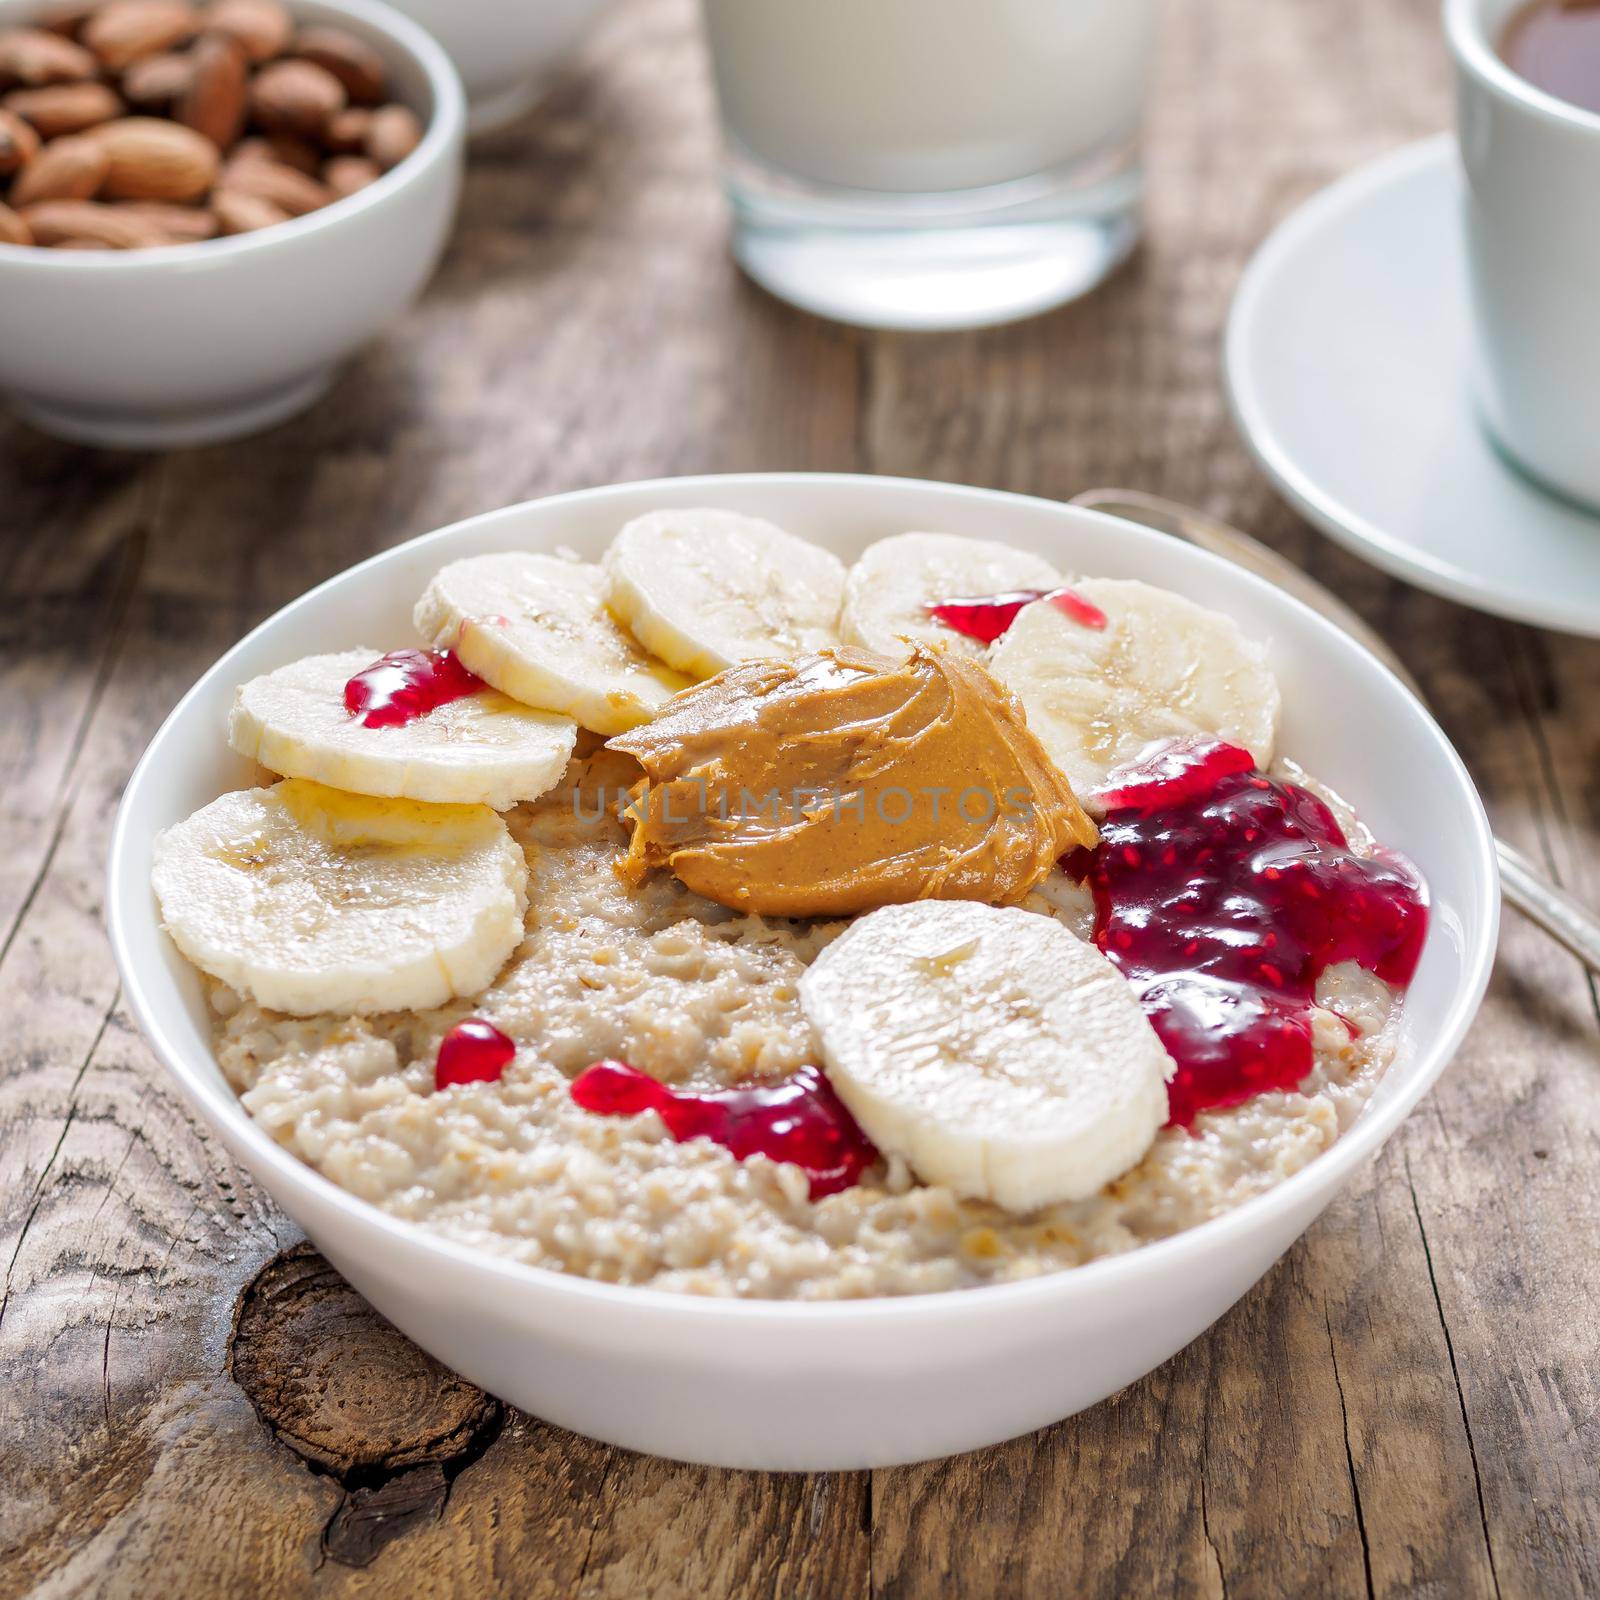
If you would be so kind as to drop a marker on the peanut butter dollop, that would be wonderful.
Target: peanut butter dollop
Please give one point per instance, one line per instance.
(844, 781)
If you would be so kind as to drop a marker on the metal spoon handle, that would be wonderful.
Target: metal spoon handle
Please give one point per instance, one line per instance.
(1567, 921)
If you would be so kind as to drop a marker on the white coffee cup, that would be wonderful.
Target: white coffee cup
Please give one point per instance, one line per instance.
(1532, 219)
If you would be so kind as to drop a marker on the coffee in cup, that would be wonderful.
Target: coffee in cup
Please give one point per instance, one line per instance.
(1555, 45)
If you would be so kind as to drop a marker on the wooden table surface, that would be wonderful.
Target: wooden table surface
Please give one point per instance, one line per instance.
(193, 1405)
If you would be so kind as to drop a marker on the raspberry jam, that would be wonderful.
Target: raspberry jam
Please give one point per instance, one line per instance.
(474, 1051)
(1084, 612)
(1175, 774)
(985, 617)
(1222, 895)
(800, 1120)
(407, 684)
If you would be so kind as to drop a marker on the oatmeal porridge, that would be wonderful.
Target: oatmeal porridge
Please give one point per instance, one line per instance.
(1163, 980)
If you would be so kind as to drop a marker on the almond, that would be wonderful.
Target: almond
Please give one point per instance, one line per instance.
(263, 27)
(345, 175)
(291, 152)
(124, 31)
(392, 135)
(65, 108)
(19, 144)
(34, 57)
(296, 97)
(66, 169)
(214, 103)
(67, 19)
(13, 230)
(154, 83)
(156, 160)
(287, 189)
(59, 222)
(346, 134)
(179, 224)
(245, 213)
(352, 61)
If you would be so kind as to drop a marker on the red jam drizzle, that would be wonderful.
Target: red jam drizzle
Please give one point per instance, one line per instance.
(1084, 612)
(985, 617)
(1175, 773)
(800, 1120)
(473, 1051)
(407, 684)
(1222, 895)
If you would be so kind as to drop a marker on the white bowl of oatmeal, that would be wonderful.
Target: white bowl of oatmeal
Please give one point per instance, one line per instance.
(754, 1326)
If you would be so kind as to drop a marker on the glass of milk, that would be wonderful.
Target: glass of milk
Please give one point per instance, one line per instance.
(932, 163)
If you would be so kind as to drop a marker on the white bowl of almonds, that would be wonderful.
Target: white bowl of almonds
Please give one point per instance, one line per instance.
(204, 208)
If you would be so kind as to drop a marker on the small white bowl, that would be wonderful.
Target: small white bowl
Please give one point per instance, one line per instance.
(871, 1382)
(152, 349)
(507, 50)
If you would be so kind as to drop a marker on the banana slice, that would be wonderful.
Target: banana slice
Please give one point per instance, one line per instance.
(311, 900)
(997, 1053)
(536, 628)
(889, 590)
(482, 749)
(708, 589)
(1160, 667)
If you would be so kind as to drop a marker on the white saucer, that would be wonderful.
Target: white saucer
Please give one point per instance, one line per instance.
(1347, 358)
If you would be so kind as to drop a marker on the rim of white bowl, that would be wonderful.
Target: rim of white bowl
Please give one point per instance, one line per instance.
(219, 1106)
(446, 128)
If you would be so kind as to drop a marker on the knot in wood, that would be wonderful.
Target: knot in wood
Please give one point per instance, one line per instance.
(339, 1385)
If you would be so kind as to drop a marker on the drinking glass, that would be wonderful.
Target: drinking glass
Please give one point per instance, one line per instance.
(932, 163)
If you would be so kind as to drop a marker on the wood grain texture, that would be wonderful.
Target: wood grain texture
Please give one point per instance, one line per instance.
(1408, 1404)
